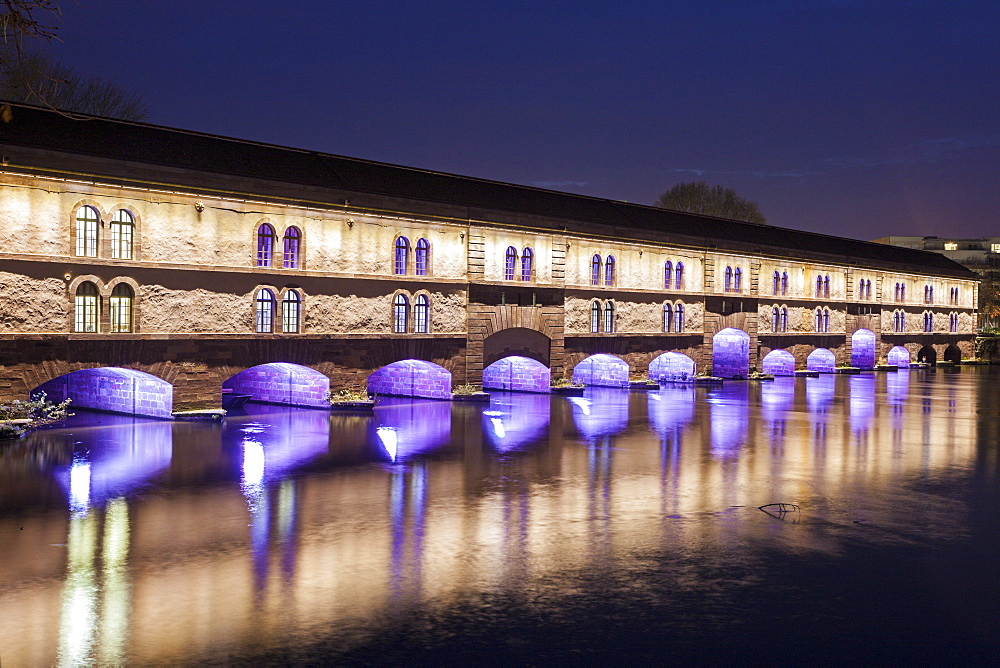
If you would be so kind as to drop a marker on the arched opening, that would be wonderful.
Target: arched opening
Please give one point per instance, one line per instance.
(411, 378)
(863, 349)
(516, 341)
(778, 363)
(112, 390)
(821, 360)
(281, 383)
(671, 367)
(953, 354)
(927, 355)
(731, 353)
(517, 374)
(899, 356)
(602, 370)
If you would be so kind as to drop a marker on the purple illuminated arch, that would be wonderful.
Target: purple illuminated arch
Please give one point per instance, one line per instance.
(282, 383)
(671, 366)
(411, 378)
(113, 390)
(778, 363)
(899, 356)
(602, 370)
(731, 353)
(863, 349)
(821, 360)
(517, 374)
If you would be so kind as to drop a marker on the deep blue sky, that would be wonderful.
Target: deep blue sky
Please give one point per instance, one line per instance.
(862, 118)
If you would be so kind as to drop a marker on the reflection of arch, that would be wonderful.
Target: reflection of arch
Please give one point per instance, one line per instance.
(517, 374)
(114, 390)
(602, 370)
(406, 428)
(863, 349)
(671, 366)
(516, 420)
(520, 341)
(927, 354)
(730, 412)
(602, 413)
(281, 383)
(731, 353)
(411, 378)
(778, 363)
(899, 356)
(821, 360)
(952, 354)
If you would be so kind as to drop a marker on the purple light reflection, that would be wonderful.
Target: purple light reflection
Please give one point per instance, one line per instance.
(730, 412)
(515, 421)
(777, 397)
(670, 409)
(862, 401)
(405, 428)
(600, 412)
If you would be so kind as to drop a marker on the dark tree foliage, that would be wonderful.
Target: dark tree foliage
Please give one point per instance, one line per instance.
(699, 197)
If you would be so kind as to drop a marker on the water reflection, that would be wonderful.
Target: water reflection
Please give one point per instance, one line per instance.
(862, 403)
(516, 420)
(408, 427)
(730, 415)
(601, 412)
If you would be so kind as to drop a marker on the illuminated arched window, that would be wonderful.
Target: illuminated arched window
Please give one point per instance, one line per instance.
(729, 279)
(122, 298)
(896, 293)
(421, 257)
(668, 317)
(595, 316)
(679, 276)
(291, 243)
(402, 259)
(87, 222)
(826, 286)
(421, 314)
(595, 270)
(826, 320)
(784, 319)
(265, 245)
(784, 282)
(527, 256)
(819, 320)
(776, 283)
(902, 292)
(122, 235)
(87, 312)
(668, 274)
(775, 319)
(609, 270)
(510, 264)
(679, 318)
(400, 314)
(609, 317)
(265, 303)
(738, 280)
(819, 286)
(291, 312)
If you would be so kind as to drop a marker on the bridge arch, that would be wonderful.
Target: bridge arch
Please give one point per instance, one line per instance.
(281, 383)
(778, 363)
(953, 354)
(731, 353)
(899, 356)
(822, 360)
(602, 370)
(671, 366)
(927, 354)
(863, 349)
(411, 378)
(517, 342)
(112, 390)
(517, 374)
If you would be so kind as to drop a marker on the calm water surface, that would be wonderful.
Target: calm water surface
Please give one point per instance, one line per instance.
(535, 530)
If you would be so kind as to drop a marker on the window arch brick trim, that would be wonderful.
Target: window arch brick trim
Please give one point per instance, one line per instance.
(105, 241)
(301, 255)
(103, 218)
(71, 289)
(136, 302)
(274, 260)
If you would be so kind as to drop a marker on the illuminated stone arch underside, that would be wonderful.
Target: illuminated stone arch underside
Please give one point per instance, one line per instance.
(411, 378)
(863, 349)
(602, 370)
(282, 383)
(821, 360)
(671, 366)
(778, 363)
(112, 389)
(517, 374)
(731, 353)
(899, 356)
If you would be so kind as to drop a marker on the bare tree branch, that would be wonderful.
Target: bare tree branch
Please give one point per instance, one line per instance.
(699, 197)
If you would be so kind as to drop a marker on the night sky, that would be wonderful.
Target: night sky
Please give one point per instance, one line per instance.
(862, 118)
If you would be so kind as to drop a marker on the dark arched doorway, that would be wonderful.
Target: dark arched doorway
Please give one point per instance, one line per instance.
(952, 354)
(927, 354)
(516, 341)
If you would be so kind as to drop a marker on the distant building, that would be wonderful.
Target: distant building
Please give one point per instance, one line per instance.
(981, 255)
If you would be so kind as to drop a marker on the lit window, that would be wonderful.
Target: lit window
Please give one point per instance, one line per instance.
(738, 280)
(679, 318)
(421, 257)
(826, 320)
(526, 257)
(950, 245)
(776, 284)
(421, 314)
(609, 270)
(595, 317)
(784, 320)
(609, 317)
(595, 270)
(679, 276)
(819, 287)
(86, 231)
(826, 286)
(400, 314)
(265, 245)
(668, 274)
(291, 312)
(121, 308)
(265, 311)
(775, 319)
(87, 308)
(510, 264)
(122, 233)
(291, 248)
(729, 279)
(784, 282)
(668, 317)
(995, 248)
(402, 258)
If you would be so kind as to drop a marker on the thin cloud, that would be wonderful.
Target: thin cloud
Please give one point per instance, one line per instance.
(560, 184)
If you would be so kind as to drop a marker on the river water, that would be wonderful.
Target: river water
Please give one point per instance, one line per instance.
(617, 526)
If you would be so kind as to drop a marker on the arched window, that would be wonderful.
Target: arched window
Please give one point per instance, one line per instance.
(510, 263)
(728, 286)
(679, 276)
(738, 280)
(595, 270)
(265, 245)
(88, 310)
(400, 314)
(819, 287)
(776, 285)
(122, 298)
(784, 282)
(826, 320)
(595, 316)
(122, 234)
(902, 292)
(291, 312)
(421, 257)
(402, 259)
(819, 320)
(290, 245)
(930, 294)
(609, 270)
(87, 222)
(265, 311)
(784, 319)
(928, 322)
(668, 317)
(609, 317)
(668, 274)
(900, 321)
(826, 286)
(526, 263)
(421, 314)
(896, 294)
(775, 319)
(679, 318)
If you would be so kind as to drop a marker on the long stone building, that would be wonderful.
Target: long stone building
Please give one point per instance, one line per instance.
(146, 269)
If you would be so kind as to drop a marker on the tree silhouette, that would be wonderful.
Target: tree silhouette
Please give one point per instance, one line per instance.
(699, 197)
